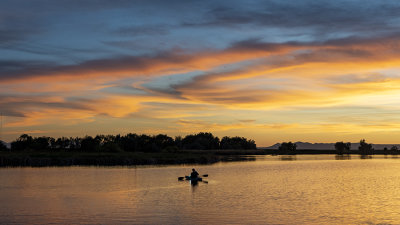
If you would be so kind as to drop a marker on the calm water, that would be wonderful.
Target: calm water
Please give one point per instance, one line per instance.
(300, 190)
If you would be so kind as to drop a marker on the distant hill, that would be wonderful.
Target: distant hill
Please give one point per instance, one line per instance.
(329, 146)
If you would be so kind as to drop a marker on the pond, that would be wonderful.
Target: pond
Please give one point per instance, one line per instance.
(302, 189)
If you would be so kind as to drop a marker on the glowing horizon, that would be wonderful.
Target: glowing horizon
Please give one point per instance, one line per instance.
(269, 71)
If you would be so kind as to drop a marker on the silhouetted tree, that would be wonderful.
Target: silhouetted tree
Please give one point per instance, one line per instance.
(394, 150)
(129, 142)
(61, 143)
(3, 146)
(108, 143)
(145, 144)
(287, 148)
(74, 143)
(342, 148)
(237, 143)
(90, 144)
(385, 151)
(179, 142)
(200, 141)
(24, 142)
(41, 143)
(163, 141)
(365, 148)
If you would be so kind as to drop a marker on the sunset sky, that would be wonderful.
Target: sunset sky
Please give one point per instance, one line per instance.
(272, 71)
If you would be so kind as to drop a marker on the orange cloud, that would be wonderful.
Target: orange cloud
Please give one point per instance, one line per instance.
(175, 61)
(271, 78)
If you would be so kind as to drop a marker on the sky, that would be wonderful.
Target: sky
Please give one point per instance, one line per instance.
(271, 71)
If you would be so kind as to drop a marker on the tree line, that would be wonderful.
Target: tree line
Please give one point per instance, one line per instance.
(130, 142)
(155, 143)
(363, 149)
(289, 148)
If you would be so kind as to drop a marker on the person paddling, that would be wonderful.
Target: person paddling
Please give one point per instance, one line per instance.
(194, 174)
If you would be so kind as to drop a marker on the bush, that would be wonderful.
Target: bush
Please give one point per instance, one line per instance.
(171, 149)
(111, 147)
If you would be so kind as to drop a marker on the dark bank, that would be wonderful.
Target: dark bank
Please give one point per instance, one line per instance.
(134, 149)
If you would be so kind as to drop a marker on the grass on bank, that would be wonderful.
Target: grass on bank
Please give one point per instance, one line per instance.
(69, 158)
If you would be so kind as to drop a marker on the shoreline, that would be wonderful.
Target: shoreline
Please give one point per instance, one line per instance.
(63, 158)
(50, 159)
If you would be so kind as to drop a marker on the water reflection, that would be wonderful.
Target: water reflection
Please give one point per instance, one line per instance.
(193, 182)
(288, 157)
(240, 158)
(262, 192)
(342, 157)
(299, 157)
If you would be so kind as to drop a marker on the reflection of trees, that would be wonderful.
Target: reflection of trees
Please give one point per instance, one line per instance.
(365, 157)
(240, 158)
(343, 157)
(288, 157)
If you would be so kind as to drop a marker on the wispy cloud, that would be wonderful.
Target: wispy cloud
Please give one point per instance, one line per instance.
(265, 69)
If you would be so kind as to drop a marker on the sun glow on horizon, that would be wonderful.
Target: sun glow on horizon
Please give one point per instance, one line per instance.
(225, 70)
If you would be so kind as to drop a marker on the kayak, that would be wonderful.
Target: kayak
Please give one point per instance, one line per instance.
(193, 178)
